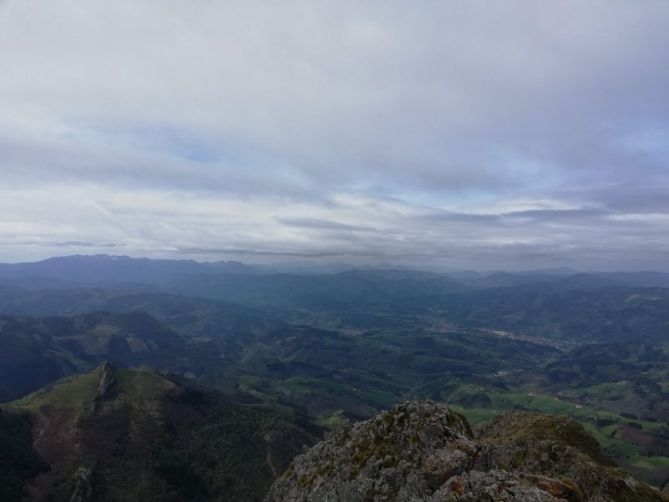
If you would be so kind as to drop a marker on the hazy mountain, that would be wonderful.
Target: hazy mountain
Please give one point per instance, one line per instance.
(37, 351)
(105, 269)
(189, 315)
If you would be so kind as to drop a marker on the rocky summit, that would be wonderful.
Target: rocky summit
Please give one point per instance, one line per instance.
(422, 451)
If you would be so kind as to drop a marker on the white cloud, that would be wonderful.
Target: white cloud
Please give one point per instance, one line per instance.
(163, 125)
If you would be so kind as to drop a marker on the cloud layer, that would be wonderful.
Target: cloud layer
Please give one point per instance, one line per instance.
(463, 134)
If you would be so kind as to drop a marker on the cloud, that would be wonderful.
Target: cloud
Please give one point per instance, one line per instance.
(310, 223)
(449, 132)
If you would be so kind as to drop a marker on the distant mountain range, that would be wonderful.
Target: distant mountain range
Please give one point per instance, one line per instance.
(100, 269)
(582, 307)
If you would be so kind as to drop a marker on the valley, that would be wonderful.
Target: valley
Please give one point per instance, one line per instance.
(331, 348)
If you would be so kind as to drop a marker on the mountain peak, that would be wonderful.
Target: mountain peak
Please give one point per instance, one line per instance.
(421, 450)
(120, 434)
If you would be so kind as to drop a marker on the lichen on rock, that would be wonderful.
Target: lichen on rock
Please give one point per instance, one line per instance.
(423, 451)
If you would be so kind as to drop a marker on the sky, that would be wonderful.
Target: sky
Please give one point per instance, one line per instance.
(478, 134)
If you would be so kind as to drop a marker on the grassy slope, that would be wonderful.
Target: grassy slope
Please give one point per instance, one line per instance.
(156, 439)
(653, 469)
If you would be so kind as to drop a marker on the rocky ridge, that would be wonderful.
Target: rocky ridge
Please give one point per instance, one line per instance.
(422, 451)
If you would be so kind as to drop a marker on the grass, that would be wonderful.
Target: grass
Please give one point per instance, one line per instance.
(627, 454)
(331, 420)
(67, 393)
(475, 416)
(607, 391)
(72, 392)
(137, 384)
(307, 386)
(643, 462)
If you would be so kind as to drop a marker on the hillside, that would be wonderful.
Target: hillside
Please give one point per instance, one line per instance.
(117, 434)
(424, 451)
(19, 462)
(37, 351)
(617, 391)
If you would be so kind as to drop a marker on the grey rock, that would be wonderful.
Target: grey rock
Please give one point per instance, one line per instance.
(106, 381)
(106, 386)
(83, 489)
(499, 485)
(422, 451)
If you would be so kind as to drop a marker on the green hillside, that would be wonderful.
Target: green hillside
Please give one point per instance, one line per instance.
(119, 434)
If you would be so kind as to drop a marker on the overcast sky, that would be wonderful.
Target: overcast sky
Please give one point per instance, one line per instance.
(477, 134)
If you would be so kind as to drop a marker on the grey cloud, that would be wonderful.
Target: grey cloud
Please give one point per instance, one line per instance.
(322, 224)
(256, 253)
(454, 217)
(558, 214)
(468, 132)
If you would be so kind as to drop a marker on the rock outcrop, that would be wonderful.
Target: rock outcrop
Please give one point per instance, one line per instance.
(83, 490)
(106, 386)
(422, 451)
(106, 381)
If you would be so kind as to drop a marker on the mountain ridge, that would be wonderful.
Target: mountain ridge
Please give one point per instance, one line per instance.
(137, 434)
